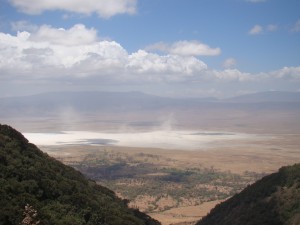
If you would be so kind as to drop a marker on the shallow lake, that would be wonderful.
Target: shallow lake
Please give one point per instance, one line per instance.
(170, 139)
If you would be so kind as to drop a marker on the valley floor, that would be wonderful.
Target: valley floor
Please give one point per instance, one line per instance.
(243, 161)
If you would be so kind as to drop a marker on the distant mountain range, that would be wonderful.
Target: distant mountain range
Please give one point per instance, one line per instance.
(273, 200)
(271, 96)
(52, 102)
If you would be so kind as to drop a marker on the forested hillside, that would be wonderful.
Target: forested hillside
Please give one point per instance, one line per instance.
(60, 194)
(273, 200)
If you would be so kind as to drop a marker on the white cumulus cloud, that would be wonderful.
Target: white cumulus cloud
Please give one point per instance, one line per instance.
(231, 75)
(76, 35)
(77, 52)
(287, 73)
(150, 63)
(229, 63)
(186, 48)
(104, 8)
(257, 29)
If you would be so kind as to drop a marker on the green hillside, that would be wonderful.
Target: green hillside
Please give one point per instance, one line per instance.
(60, 194)
(273, 200)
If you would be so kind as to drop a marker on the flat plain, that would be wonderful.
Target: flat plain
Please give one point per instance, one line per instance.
(238, 162)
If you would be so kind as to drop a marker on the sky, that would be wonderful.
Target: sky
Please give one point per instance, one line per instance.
(175, 48)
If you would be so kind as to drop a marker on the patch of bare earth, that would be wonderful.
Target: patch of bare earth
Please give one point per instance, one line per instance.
(184, 214)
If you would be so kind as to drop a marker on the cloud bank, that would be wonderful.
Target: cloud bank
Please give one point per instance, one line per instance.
(77, 52)
(78, 55)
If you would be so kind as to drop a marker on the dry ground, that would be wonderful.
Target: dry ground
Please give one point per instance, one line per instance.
(265, 155)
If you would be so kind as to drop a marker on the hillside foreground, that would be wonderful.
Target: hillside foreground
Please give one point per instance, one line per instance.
(59, 194)
(273, 200)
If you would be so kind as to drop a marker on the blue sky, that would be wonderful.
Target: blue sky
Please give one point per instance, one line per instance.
(195, 48)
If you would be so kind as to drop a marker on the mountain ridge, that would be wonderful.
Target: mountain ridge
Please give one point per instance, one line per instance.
(90, 101)
(268, 96)
(273, 200)
(60, 194)
(263, 95)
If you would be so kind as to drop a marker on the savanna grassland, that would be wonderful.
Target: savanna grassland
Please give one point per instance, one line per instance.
(176, 186)
(180, 185)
